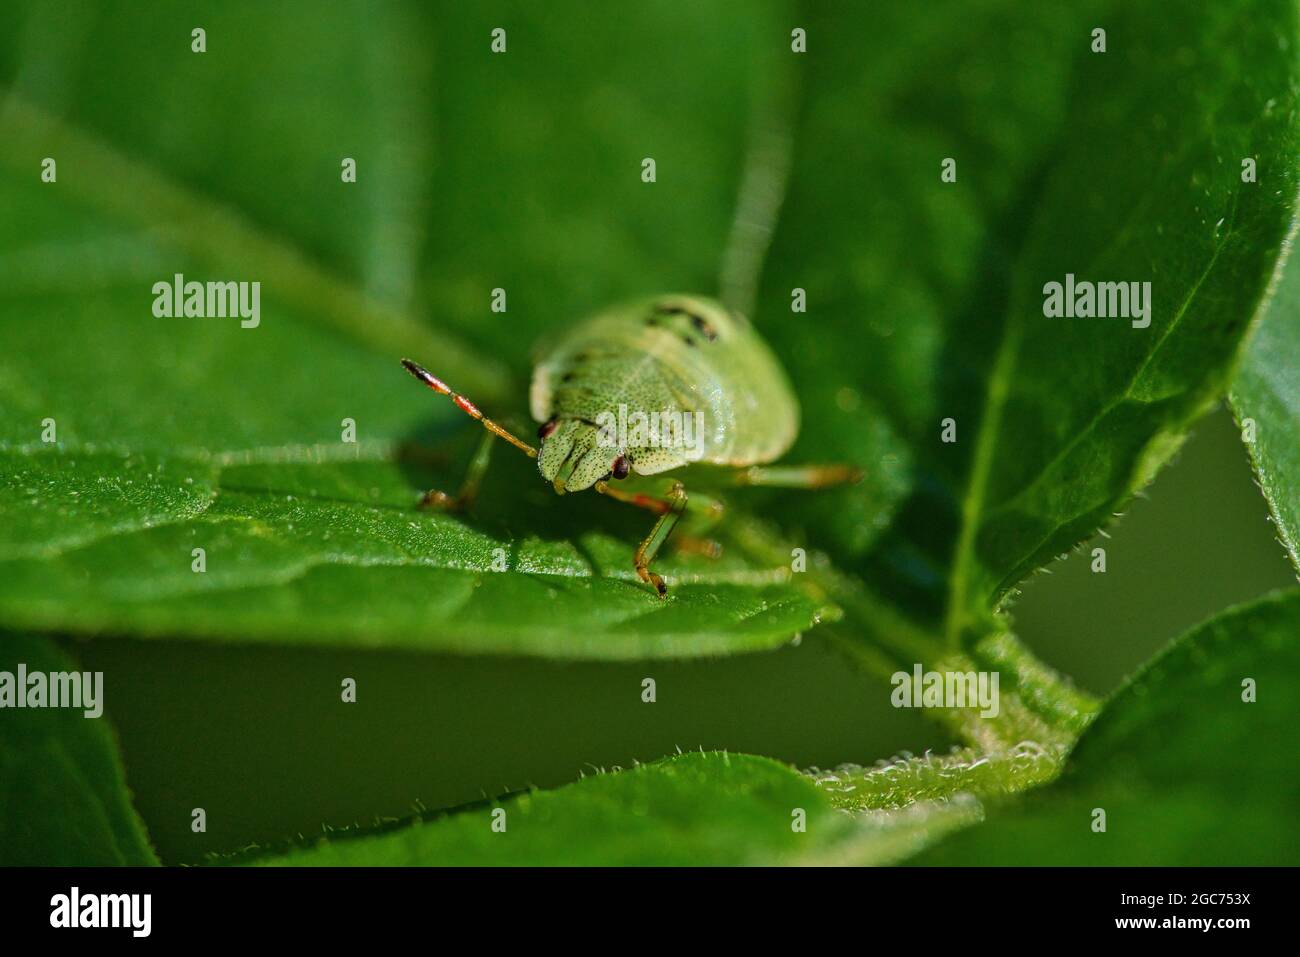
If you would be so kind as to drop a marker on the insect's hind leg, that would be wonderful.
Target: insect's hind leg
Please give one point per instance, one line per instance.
(797, 476)
(669, 510)
(440, 501)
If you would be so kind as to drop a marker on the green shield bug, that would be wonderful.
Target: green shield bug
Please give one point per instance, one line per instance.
(647, 388)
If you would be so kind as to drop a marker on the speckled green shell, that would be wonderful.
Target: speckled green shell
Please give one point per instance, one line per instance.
(671, 353)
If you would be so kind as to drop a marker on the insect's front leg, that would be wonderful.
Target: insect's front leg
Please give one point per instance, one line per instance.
(669, 509)
(702, 512)
(469, 488)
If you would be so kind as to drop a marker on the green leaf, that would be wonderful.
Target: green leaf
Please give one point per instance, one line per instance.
(704, 809)
(179, 434)
(1186, 770)
(926, 296)
(693, 809)
(926, 299)
(63, 794)
(697, 809)
(1266, 400)
(334, 553)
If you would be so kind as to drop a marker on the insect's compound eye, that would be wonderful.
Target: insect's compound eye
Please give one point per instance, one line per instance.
(546, 429)
(620, 468)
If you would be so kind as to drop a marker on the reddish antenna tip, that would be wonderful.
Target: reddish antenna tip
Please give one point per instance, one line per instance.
(425, 376)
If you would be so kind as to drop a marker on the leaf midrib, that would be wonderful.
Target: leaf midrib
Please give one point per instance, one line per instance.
(991, 421)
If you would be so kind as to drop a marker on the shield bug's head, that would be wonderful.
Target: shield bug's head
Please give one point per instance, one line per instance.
(575, 455)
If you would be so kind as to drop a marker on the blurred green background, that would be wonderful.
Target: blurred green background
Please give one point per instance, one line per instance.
(256, 737)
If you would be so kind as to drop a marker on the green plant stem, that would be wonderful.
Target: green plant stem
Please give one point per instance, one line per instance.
(1037, 705)
(906, 780)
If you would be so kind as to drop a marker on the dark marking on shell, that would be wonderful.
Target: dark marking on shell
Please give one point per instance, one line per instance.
(701, 324)
(705, 329)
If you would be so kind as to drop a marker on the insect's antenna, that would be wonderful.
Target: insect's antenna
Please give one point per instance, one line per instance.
(465, 405)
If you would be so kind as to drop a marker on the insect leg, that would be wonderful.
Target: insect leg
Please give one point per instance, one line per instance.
(463, 499)
(797, 476)
(466, 406)
(669, 511)
(695, 545)
(704, 512)
(639, 499)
